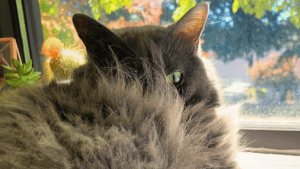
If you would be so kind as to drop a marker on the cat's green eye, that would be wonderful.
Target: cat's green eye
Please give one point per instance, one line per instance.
(174, 77)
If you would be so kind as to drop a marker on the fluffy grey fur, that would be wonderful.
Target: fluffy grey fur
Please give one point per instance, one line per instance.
(116, 126)
(109, 118)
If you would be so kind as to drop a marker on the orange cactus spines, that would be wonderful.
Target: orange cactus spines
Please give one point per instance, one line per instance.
(47, 72)
(52, 47)
(66, 62)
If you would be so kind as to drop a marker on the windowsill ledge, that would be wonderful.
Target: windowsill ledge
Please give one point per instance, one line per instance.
(270, 124)
(249, 160)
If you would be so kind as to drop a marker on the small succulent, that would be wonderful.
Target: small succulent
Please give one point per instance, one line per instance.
(21, 74)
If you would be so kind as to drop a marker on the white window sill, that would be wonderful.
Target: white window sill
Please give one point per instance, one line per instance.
(270, 124)
(248, 160)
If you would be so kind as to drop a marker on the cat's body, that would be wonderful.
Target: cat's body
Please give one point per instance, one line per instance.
(120, 111)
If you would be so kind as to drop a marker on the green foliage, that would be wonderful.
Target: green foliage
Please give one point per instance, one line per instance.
(47, 7)
(21, 74)
(251, 91)
(183, 7)
(45, 32)
(60, 29)
(258, 8)
(267, 111)
(44, 6)
(261, 93)
(107, 6)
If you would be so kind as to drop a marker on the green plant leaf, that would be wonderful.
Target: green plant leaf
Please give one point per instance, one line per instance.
(10, 69)
(22, 75)
(16, 63)
(20, 71)
(13, 83)
(27, 66)
(25, 77)
(33, 78)
(235, 6)
(53, 10)
(44, 7)
(36, 73)
(28, 72)
(183, 7)
(54, 30)
(11, 76)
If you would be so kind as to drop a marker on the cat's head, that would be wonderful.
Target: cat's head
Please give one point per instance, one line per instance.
(180, 49)
(175, 50)
(104, 48)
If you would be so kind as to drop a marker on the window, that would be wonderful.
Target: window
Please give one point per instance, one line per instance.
(256, 53)
(257, 59)
(22, 22)
(255, 49)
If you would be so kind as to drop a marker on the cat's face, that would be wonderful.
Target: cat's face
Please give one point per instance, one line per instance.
(174, 50)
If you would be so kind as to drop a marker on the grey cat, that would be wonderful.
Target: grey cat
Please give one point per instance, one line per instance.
(145, 99)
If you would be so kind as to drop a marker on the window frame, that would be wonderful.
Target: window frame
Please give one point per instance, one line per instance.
(272, 141)
(23, 22)
(34, 30)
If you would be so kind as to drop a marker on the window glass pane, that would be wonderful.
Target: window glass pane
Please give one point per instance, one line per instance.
(255, 47)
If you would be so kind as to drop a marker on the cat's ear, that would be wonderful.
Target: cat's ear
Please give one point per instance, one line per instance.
(100, 42)
(191, 25)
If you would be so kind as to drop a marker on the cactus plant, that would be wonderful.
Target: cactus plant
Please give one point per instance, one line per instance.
(60, 61)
